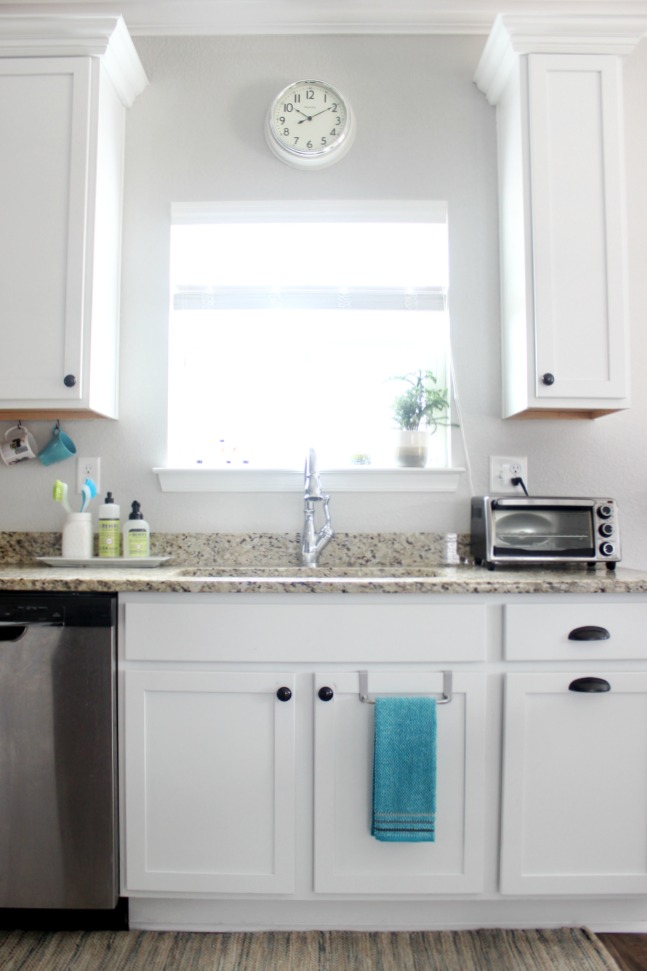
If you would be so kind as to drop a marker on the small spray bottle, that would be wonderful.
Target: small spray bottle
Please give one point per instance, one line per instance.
(137, 534)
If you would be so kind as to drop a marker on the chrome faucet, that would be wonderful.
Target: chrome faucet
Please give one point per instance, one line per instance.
(313, 541)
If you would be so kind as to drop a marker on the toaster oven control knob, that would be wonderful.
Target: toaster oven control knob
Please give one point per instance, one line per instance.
(605, 529)
(607, 549)
(605, 511)
(548, 378)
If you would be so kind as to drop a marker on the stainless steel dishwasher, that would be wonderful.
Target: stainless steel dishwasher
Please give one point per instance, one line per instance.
(58, 780)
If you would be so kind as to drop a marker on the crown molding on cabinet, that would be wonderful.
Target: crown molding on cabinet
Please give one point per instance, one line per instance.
(52, 35)
(514, 34)
(168, 17)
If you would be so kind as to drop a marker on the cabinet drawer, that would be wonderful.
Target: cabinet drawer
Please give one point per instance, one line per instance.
(571, 632)
(244, 631)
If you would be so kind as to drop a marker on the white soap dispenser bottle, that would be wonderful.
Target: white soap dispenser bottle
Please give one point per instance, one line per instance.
(136, 534)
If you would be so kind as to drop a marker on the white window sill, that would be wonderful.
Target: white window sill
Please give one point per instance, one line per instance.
(286, 480)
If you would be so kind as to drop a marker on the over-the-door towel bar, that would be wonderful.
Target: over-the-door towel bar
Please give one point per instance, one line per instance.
(445, 698)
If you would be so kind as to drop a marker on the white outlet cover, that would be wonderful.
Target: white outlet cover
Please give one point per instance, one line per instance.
(83, 464)
(501, 485)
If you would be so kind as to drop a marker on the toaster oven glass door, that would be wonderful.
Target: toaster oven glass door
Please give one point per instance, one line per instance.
(550, 531)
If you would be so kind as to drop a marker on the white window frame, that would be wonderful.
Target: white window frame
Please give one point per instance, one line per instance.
(362, 478)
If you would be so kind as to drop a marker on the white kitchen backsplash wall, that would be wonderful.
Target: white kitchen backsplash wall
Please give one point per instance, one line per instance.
(424, 131)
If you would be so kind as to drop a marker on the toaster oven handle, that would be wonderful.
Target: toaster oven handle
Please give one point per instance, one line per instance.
(589, 633)
(589, 685)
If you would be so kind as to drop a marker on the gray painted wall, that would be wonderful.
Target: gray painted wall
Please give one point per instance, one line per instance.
(424, 131)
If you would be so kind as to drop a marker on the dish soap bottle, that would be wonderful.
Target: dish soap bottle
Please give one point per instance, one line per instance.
(109, 532)
(137, 534)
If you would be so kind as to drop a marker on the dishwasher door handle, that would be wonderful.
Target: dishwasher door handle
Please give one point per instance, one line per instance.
(10, 631)
(32, 623)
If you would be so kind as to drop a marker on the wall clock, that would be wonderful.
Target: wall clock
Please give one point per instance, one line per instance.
(310, 125)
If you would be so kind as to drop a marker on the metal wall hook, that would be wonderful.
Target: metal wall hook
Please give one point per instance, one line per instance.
(445, 698)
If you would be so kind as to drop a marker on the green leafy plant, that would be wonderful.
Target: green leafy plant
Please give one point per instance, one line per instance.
(423, 403)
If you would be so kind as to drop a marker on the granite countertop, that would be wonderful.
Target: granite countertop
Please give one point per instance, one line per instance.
(414, 563)
(461, 579)
(399, 563)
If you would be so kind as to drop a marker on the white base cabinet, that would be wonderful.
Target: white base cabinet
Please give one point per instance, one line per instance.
(347, 858)
(574, 785)
(234, 796)
(210, 782)
(214, 763)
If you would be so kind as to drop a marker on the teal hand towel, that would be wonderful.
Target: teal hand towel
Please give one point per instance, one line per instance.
(404, 770)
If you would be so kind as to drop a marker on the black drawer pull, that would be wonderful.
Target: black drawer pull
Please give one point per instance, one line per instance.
(284, 694)
(590, 633)
(326, 693)
(589, 685)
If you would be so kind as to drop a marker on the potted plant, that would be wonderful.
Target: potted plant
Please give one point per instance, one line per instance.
(418, 411)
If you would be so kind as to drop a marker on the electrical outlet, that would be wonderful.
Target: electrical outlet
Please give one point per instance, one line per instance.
(88, 469)
(504, 468)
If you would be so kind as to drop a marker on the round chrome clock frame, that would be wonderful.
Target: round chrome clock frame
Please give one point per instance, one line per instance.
(314, 157)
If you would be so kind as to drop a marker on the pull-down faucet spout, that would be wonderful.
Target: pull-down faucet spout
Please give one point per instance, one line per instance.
(313, 541)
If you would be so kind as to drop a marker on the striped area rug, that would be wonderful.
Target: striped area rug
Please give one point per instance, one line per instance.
(564, 949)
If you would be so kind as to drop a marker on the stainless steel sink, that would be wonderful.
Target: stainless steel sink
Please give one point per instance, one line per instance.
(365, 572)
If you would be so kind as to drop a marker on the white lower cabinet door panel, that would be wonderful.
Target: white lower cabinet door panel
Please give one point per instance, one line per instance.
(209, 782)
(575, 785)
(347, 858)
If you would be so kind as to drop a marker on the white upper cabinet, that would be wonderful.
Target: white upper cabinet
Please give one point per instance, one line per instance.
(558, 91)
(64, 88)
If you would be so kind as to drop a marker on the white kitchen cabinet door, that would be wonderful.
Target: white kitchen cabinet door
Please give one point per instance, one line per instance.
(576, 172)
(45, 123)
(347, 858)
(562, 233)
(209, 783)
(62, 118)
(574, 785)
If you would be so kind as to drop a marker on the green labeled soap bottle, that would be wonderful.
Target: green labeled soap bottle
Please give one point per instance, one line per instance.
(109, 528)
(137, 534)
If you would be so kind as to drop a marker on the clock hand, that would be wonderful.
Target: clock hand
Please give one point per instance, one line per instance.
(305, 117)
(320, 112)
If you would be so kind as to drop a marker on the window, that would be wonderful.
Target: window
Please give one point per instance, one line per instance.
(291, 324)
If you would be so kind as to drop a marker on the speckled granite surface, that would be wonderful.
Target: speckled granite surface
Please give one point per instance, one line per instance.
(265, 549)
(413, 563)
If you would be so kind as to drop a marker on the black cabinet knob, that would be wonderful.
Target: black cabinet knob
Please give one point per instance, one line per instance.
(589, 685)
(326, 693)
(69, 380)
(589, 633)
(284, 694)
(548, 378)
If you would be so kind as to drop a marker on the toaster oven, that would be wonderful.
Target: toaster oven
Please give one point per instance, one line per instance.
(523, 529)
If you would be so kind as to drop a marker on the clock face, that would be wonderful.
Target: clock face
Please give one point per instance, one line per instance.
(310, 123)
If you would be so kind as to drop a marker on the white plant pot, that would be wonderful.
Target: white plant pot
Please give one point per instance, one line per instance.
(412, 449)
